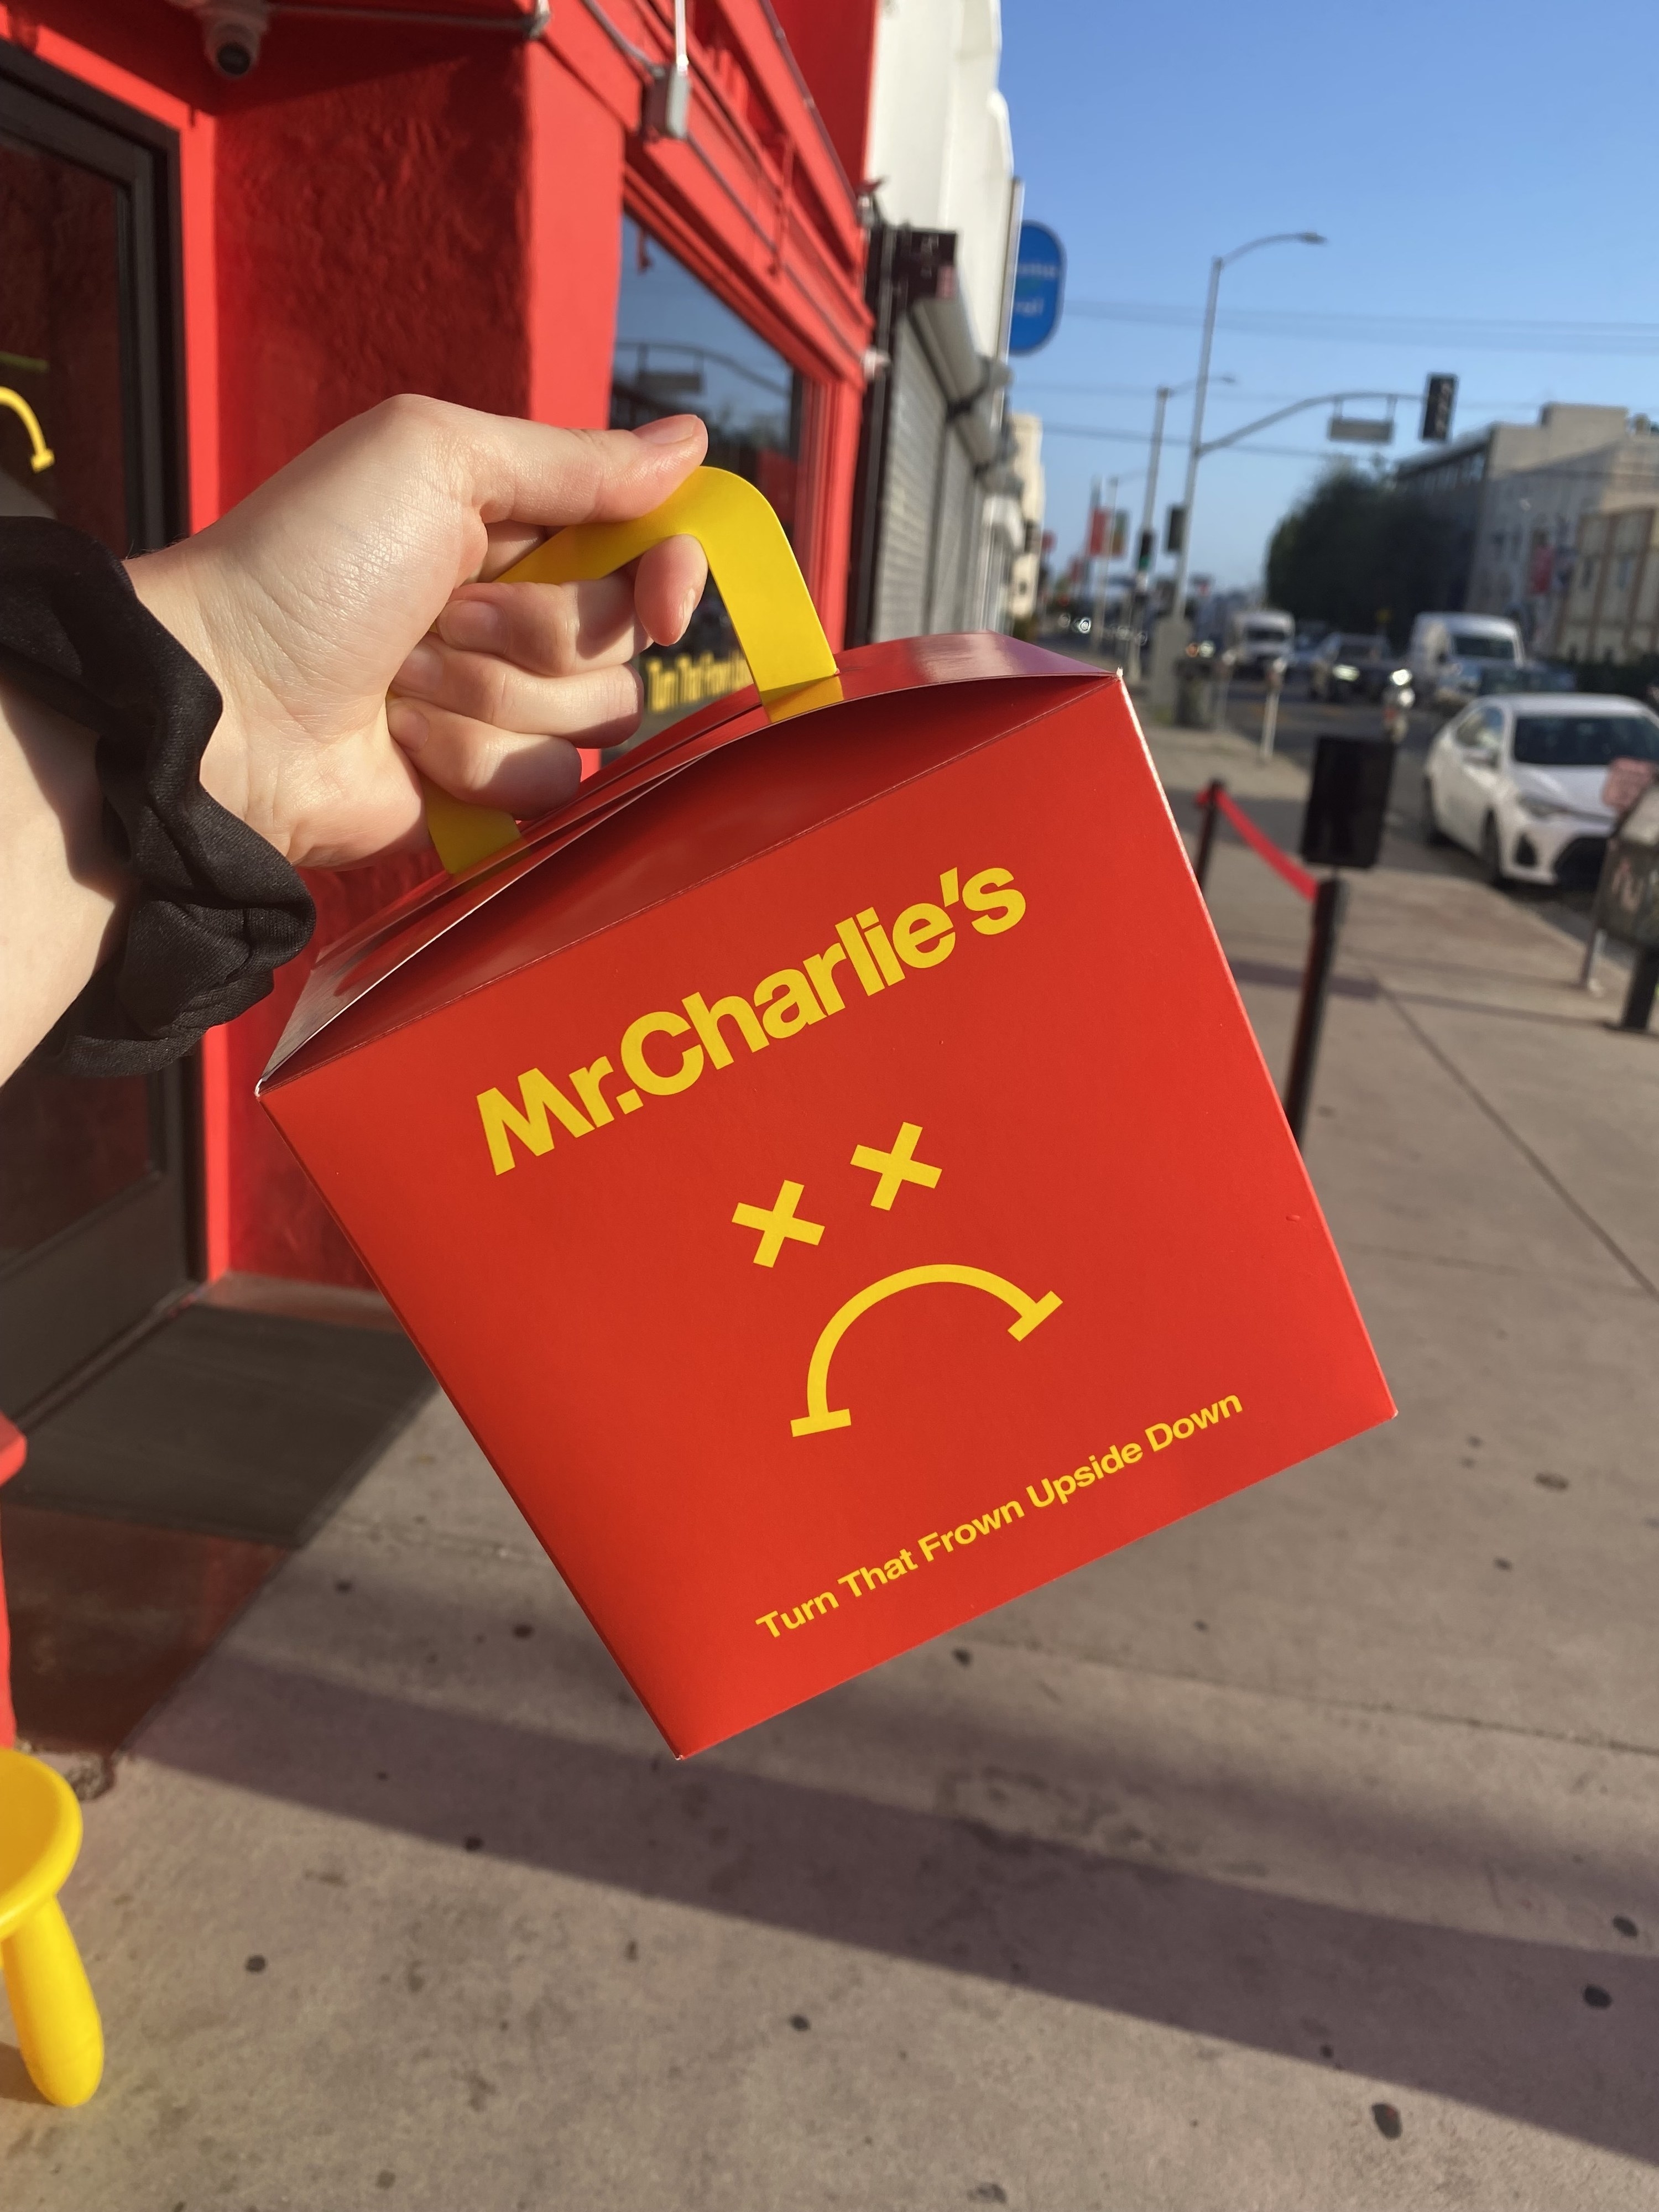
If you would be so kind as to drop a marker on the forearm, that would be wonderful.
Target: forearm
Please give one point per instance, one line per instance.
(63, 897)
(365, 569)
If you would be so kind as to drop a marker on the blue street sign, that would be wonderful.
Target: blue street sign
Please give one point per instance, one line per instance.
(1039, 281)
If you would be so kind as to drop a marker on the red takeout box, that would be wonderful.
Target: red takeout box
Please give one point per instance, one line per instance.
(830, 1171)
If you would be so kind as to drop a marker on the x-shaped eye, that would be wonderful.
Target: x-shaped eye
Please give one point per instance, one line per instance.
(778, 1223)
(894, 1168)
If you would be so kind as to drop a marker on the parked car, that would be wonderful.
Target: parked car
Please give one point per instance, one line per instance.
(1532, 676)
(1448, 653)
(1309, 639)
(1346, 666)
(1518, 781)
(1258, 636)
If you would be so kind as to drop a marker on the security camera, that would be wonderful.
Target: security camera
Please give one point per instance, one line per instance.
(231, 32)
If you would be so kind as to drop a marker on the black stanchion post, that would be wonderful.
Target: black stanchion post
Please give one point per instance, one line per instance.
(1208, 810)
(1330, 902)
(1638, 997)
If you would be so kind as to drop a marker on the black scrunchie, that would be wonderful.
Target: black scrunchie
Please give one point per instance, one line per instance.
(218, 908)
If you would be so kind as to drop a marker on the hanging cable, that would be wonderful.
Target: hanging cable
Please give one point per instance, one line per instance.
(528, 23)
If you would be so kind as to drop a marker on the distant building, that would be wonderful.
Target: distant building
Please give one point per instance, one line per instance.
(1023, 575)
(1610, 610)
(1527, 562)
(1512, 496)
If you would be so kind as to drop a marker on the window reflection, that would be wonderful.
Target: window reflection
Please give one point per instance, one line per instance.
(67, 1147)
(681, 350)
(60, 342)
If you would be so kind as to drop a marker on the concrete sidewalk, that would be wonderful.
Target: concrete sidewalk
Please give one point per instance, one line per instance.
(1300, 1856)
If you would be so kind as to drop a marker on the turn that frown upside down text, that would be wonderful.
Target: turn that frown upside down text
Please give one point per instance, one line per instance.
(941, 1543)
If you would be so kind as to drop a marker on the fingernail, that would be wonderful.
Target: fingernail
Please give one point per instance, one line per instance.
(688, 608)
(407, 724)
(670, 430)
(422, 668)
(473, 624)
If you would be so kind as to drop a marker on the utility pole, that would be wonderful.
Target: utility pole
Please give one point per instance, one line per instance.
(1169, 650)
(1140, 591)
(1098, 627)
(1200, 393)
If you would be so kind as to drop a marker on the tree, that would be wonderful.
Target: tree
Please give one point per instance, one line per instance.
(1360, 554)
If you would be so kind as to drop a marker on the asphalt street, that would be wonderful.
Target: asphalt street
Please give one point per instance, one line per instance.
(1302, 721)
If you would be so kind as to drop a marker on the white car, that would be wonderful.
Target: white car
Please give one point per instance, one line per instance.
(1518, 781)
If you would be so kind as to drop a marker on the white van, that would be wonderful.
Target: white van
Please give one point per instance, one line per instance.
(1448, 653)
(1259, 634)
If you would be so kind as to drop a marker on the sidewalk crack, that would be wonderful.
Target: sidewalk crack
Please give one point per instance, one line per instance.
(1545, 1173)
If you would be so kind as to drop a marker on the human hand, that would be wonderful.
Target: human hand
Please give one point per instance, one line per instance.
(362, 569)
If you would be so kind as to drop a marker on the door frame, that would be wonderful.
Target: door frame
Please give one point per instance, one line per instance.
(49, 108)
(57, 111)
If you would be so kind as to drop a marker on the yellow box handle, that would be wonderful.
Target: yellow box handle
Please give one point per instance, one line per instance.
(765, 594)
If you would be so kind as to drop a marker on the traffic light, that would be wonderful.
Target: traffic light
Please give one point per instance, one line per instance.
(1174, 529)
(1439, 396)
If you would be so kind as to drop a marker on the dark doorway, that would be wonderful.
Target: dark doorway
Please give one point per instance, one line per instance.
(95, 1177)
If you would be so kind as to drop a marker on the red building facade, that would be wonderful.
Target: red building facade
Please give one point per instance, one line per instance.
(396, 204)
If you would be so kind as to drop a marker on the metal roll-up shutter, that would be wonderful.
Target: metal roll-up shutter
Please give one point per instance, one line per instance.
(915, 428)
(956, 542)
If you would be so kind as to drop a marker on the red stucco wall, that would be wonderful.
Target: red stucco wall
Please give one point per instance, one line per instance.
(349, 263)
(573, 263)
(402, 231)
(835, 47)
(382, 208)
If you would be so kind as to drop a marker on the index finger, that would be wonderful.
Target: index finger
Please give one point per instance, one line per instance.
(539, 478)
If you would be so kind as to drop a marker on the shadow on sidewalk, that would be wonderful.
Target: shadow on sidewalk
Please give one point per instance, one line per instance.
(1494, 2023)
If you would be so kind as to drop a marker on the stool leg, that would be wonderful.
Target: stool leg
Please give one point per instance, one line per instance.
(51, 2004)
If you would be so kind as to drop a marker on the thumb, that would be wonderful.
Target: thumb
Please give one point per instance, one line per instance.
(532, 473)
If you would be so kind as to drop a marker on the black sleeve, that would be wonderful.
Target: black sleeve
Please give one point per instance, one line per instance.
(218, 909)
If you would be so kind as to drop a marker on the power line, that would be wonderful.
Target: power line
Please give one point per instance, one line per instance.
(1142, 438)
(1505, 335)
(1558, 472)
(1467, 401)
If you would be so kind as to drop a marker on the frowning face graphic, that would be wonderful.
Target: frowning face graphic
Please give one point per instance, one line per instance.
(895, 1169)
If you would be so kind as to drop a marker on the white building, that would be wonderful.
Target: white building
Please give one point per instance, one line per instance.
(1026, 431)
(1531, 526)
(939, 524)
(941, 155)
(1515, 495)
(1609, 610)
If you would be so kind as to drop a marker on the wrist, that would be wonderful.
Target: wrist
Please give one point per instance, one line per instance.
(166, 587)
(64, 895)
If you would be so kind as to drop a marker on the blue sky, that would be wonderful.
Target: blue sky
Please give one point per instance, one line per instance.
(1474, 167)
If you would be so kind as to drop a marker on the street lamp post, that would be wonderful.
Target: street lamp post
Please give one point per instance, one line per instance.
(1101, 573)
(1147, 550)
(1201, 390)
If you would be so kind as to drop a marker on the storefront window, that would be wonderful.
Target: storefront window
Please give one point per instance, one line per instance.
(92, 1226)
(61, 419)
(65, 1146)
(680, 350)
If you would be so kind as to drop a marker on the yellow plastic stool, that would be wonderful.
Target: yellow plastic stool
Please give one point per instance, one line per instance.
(51, 2003)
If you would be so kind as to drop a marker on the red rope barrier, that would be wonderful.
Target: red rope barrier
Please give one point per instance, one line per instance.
(1296, 877)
